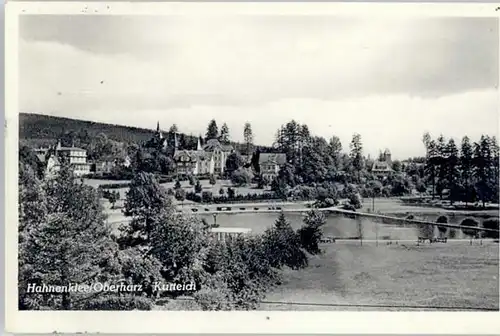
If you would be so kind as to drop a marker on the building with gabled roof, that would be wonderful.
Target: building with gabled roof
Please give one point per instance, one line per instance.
(76, 157)
(383, 166)
(220, 153)
(194, 162)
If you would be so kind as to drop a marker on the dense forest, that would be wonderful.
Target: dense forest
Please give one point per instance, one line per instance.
(37, 127)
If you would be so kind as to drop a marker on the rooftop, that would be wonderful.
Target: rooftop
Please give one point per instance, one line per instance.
(231, 230)
(279, 158)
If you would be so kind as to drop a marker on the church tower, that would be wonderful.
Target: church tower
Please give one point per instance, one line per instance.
(198, 147)
(158, 131)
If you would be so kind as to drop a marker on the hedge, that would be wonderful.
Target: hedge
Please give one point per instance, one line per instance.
(191, 196)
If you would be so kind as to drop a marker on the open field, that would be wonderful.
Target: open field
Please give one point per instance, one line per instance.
(452, 275)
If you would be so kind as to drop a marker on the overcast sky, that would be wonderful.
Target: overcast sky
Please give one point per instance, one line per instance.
(389, 80)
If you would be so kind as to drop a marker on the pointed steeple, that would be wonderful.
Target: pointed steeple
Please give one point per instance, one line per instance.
(158, 131)
(199, 145)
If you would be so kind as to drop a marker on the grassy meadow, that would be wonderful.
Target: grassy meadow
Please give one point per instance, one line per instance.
(452, 275)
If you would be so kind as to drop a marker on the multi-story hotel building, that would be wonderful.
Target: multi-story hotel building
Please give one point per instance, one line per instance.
(76, 157)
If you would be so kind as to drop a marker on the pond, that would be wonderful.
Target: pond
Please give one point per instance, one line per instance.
(337, 225)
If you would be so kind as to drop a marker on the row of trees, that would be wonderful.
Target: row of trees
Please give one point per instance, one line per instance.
(428, 231)
(470, 173)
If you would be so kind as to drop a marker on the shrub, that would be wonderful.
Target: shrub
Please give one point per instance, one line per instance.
(491, 223)
(230, 193)
(310, 233)
(198, 188)
(119, 302)
(470, 232)
(241, 177)
(207, 197)
(191, 180)
(180, 194)
(283, 245)
(426, 230)
(221, 191)
(452, 233)
(443, 220)
(114, 185)
(177, 184)
(213, 180)
(263, 182)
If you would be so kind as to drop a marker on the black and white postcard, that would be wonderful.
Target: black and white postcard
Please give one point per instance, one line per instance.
(252, 167)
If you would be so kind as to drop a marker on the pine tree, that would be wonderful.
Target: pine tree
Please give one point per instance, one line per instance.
(336, 151)
(173, 129)
(224, 133)
(441, 165)
(483, 171)
(495, 158)
(32, 199)
(356, 154)
(178, 243)
(71, 244)
(452, 171)
(432, 165)
(212, 130)
(145, 198)
(248, 137)
(466, 168)
(310, 233)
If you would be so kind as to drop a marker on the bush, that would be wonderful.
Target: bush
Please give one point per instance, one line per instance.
(470, 232)
(355, 200)
(114, 185)
(426, 230)
(283, 245)
(207, 197)
(116, 302)
(213, 180)
(180, 195)
(177, 185)
(241, 177)
(230, 193)
(310, 233)
(491, 223)
(443, 220)
(198, 188)
(221, 191)
(452, 233)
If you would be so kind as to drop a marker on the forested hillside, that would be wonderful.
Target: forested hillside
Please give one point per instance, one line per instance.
(37, 129)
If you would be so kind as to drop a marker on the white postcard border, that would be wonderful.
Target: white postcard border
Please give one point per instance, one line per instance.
(209, 322)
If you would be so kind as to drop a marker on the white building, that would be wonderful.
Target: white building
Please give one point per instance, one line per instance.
(270, 164)
(225, 234)
(76, 157)
(383, 166)
(209, 159)
(220, 153)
